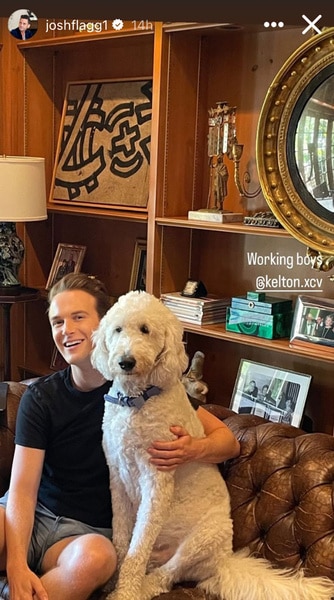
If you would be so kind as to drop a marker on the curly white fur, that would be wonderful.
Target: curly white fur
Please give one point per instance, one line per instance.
(170, 526)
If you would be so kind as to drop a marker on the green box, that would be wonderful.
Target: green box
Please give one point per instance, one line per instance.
(259, 324)
(270, 306)
(259, 296)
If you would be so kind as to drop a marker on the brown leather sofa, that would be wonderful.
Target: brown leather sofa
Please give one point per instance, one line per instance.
(281, 486)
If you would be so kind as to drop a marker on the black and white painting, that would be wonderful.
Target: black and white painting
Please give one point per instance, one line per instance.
(103, 153)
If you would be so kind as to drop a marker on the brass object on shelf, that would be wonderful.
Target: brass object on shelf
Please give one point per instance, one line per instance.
(290, 149)
(222, 141)
(263, 219)
(237, 151)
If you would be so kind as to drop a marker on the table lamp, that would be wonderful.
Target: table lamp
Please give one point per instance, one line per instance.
(22, 199)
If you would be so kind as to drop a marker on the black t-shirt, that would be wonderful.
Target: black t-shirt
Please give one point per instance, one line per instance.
(66, 423)
(56, 417)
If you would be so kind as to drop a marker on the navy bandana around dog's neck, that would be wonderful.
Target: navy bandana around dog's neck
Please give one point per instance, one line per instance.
(133, 401)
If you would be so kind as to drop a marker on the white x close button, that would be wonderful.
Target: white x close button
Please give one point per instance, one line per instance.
(311, 24)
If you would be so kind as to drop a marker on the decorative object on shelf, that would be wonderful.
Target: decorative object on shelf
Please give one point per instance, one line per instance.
(294, 146)
(237, 151)
(320, 260)
(199, 311)
(138, 272)
(194, 289)
(222, 141)
(263, 219)
(269, 318)
(313, 322)
(193, 378)
(103, 151)
(276, 394)
(68, 259)
(22, 199)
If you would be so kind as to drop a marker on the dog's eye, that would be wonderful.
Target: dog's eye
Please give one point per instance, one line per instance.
(144, 329)
(118, 329)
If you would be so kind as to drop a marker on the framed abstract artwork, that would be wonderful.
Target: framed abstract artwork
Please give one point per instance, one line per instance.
(103, 151)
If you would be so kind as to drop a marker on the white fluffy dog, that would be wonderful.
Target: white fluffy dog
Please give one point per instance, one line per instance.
(176, 525)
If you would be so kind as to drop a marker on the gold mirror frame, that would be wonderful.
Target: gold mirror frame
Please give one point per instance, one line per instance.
(276, 176)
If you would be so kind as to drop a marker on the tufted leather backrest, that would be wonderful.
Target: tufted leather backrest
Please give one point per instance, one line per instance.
(282, 493)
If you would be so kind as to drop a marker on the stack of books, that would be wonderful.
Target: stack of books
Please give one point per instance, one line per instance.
(199, 311)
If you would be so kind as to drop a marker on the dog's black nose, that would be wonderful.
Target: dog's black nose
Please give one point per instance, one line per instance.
(127, 364)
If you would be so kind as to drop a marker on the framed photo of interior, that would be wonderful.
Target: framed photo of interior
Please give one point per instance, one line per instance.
(276, 394)
(313, 322)
(138, 271)
(68, 259)
(103, 150)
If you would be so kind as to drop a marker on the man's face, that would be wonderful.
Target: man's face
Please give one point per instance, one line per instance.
(73, 317)
(24, 24)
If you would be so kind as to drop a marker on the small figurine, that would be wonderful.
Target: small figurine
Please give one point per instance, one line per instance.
(221, 137)
(192, 380)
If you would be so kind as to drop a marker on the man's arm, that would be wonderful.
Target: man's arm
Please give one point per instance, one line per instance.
(218, 445)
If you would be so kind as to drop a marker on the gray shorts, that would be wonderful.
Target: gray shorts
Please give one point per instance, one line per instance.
(49, 529)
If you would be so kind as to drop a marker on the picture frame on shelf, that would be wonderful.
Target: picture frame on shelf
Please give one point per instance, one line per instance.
(138, 271)
(278, 395)
(68, 259)
(58, 363)
(103, 150)
(313, 322)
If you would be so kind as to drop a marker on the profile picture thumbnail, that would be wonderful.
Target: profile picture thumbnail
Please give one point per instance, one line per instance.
(23, 24)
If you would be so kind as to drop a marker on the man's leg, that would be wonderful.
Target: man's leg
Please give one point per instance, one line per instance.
(74, 567)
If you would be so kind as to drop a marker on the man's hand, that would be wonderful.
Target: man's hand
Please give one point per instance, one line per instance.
(26, 586)
(166, 456)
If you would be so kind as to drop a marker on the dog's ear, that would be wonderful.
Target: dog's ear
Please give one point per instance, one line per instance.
(174, 358)
(99, 356)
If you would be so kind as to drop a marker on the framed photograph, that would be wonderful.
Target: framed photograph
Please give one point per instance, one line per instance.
(270, 392)
(57, 361)
(103, 151)
(138, 272)
(313, 322)
(68, 259)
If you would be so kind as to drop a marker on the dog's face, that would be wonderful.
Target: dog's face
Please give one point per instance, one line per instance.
(139, 343)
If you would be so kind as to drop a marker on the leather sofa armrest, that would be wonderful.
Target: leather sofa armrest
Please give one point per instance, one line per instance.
(7, 431)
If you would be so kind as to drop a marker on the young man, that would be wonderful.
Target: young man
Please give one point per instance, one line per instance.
(57, 514)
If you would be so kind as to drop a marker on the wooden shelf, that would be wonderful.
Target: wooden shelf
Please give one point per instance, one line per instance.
(106, 213)
(218, 331)
(186, 223)
(62, 42)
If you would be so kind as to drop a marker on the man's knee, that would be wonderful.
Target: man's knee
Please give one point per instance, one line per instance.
(86, 555)
(98, 553)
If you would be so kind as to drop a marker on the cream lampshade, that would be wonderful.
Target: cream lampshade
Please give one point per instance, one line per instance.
(22, 199)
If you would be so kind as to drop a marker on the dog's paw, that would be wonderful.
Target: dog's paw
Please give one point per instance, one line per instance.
(154, 584)
(120, 595)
